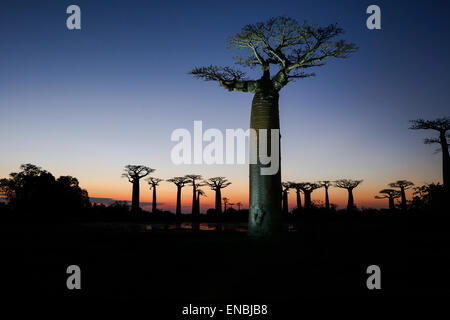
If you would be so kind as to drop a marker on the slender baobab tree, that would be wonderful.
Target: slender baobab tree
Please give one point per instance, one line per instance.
(326, 184)
(193, 178)
(297, 187)
(402, 185)
(200, 193)
(389, 194)
(225, 202)
(441, 125)
(239, 204)
(180, 182)
(286, 48)
(285, 189)
(217, 184)
(153, 183)
(134, 173)
(308, 188)
(349, 185)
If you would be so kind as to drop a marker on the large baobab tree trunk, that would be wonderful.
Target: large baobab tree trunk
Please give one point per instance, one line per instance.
(197, 205)
(445, 161)
(178, 210)
(218, 201)
(194, 200)
(350, 204)
(391, 203)
(285, 202)
(135, 197)
(299, 200)
(327, 200)
(307, 194)
(154, 200)
(403, 196)
(265, 190)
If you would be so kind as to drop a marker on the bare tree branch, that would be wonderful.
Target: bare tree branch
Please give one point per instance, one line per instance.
(229, 78)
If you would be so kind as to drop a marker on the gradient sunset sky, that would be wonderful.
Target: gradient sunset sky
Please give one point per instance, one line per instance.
(88, 102)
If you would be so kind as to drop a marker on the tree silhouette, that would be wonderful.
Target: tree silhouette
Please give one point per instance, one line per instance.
(153, 183)
(326, 184)
(225, 202)
(308, 188)
(289, 48)
(239, 204)
(297, 187)
(349, 185)
(200, 192)
(193, 181)
(216, 184)
(134, 173)
(402, 185)
(33, 189)
(441, 125)
(390, 194)
(180, 182)
(285, 189)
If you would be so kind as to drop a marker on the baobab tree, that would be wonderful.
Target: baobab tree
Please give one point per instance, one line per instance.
(225, 202)
(308, 188)
(239, 204)
(297, 187)
(180, 182)
(200, 192)
(349, 185)
(217, 184)
(402, 185)
(193, 178)
(153, 183)
(441, 125)
(389, 194)
(287, 48)
(326, 184)
(134, 173)
(285, 189)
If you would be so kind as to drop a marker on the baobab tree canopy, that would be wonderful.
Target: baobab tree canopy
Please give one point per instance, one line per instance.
(153, 182)
(388, 193)
(440, 124)
(402, 184)
(347, 183)
(136, 172)
(179, 181)
(217, 182)
(282, 42)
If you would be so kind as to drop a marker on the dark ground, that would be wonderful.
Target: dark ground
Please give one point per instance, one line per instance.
(327, 257)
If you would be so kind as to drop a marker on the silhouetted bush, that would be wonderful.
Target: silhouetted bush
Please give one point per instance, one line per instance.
(36, 194)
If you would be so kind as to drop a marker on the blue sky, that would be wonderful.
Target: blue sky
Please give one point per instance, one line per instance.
(88, 102)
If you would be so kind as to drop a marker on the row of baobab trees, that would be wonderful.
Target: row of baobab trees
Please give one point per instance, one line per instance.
(134, 173)
(308, 187)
